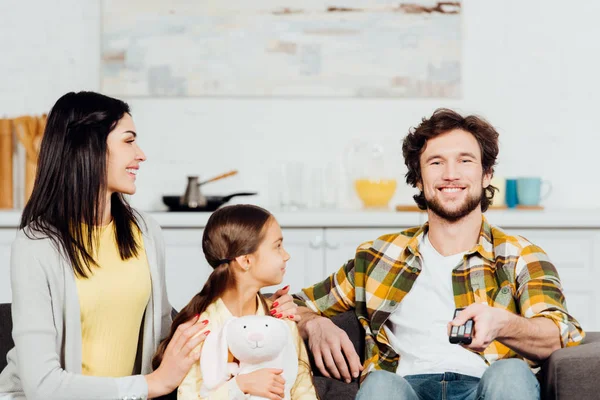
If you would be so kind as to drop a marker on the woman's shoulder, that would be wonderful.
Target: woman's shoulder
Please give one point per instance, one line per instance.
(36, 251)
(31, 239)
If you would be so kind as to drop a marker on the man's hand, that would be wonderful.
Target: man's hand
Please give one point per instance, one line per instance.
(534, 338)
(329, 344)
(487, 327)
(283, 306)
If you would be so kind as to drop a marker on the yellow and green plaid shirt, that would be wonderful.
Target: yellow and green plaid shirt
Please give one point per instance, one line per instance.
(501, 270)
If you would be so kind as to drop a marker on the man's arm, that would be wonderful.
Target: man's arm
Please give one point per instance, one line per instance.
(540, 296)
(544, 324)
(534, 339)
(306, 315)
(332, 296)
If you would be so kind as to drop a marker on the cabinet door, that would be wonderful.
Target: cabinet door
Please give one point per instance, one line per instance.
(186, 267)
(7, 235)
(341, 244)
(572, 253)
(305, 265)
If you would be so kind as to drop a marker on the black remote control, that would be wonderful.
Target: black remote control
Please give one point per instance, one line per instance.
(462, 333)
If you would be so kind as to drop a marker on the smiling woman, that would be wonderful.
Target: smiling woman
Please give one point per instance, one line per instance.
(124, 157)
(87, 271)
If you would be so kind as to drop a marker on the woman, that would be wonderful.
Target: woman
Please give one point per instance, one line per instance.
(87, 272)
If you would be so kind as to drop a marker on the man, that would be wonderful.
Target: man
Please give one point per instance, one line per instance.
(405, 287)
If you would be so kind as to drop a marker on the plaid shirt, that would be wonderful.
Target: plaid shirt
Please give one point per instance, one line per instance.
(502, 271)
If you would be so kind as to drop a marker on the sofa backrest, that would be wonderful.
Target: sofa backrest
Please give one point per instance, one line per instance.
(6, 341)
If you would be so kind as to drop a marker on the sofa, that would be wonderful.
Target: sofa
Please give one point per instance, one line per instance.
(567, 374)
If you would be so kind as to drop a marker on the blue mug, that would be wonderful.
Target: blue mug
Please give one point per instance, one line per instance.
(511, 193)
(529, 190)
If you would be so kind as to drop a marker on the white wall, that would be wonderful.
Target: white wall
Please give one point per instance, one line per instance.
(530, 67)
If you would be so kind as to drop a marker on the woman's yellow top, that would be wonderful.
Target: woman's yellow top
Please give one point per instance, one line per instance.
(113, 300)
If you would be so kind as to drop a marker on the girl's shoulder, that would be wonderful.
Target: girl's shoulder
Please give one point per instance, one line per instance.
(293, 328)
(216, 314)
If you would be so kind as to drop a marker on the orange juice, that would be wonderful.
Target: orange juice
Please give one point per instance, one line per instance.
(375, 192)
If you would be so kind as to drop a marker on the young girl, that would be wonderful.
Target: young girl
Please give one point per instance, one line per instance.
(89, 302)
(243, 243)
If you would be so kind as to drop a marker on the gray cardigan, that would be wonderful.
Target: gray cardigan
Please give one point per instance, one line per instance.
(46, 360)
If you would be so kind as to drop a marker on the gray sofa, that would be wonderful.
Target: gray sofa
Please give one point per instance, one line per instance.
(568, 374)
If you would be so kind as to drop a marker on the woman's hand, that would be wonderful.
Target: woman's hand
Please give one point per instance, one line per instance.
(178, 358)
(266, 382)
(283, 305)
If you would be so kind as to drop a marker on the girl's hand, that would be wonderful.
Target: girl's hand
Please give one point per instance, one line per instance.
(283, 305)
(178, 358)
(266, 382)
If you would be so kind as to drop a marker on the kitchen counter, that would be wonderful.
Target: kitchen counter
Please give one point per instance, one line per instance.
(300, 219)
(10, 218)
(581, 218)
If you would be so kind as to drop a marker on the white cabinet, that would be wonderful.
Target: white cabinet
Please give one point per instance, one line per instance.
(186, 267)
(7, 235)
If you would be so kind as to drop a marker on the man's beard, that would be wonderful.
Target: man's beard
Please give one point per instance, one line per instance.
(470, 204)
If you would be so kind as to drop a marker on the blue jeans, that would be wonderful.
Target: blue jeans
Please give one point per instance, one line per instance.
(505, 379)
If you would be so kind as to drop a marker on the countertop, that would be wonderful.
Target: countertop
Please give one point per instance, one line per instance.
(555, 218)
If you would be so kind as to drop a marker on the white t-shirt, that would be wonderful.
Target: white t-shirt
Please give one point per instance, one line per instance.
(417, 330)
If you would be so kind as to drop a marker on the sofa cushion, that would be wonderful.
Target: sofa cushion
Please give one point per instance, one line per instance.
(570, 373)
(332, 389)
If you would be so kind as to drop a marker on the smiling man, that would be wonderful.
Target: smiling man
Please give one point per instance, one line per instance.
(405, 287)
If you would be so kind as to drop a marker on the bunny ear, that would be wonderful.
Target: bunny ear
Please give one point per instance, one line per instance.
(213, 360)
(290, 358)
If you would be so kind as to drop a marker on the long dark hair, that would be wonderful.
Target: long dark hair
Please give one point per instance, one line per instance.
(442, 121)
(230, 232)
(67, 200)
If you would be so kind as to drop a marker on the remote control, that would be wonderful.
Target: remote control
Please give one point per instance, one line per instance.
(462, 333)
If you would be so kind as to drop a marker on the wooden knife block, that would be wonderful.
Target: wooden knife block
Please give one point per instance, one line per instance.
(29, 131)
(6, 164)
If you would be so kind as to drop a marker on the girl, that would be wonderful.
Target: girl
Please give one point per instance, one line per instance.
(243, 243)
(87, 272)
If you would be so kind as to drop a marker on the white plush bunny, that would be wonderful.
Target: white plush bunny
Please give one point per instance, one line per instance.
(257, 341)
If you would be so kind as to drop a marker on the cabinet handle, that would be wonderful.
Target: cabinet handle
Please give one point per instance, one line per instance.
(316, 243)
(332, 246)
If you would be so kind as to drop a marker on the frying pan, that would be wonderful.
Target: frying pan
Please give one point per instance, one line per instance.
(212, 202)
